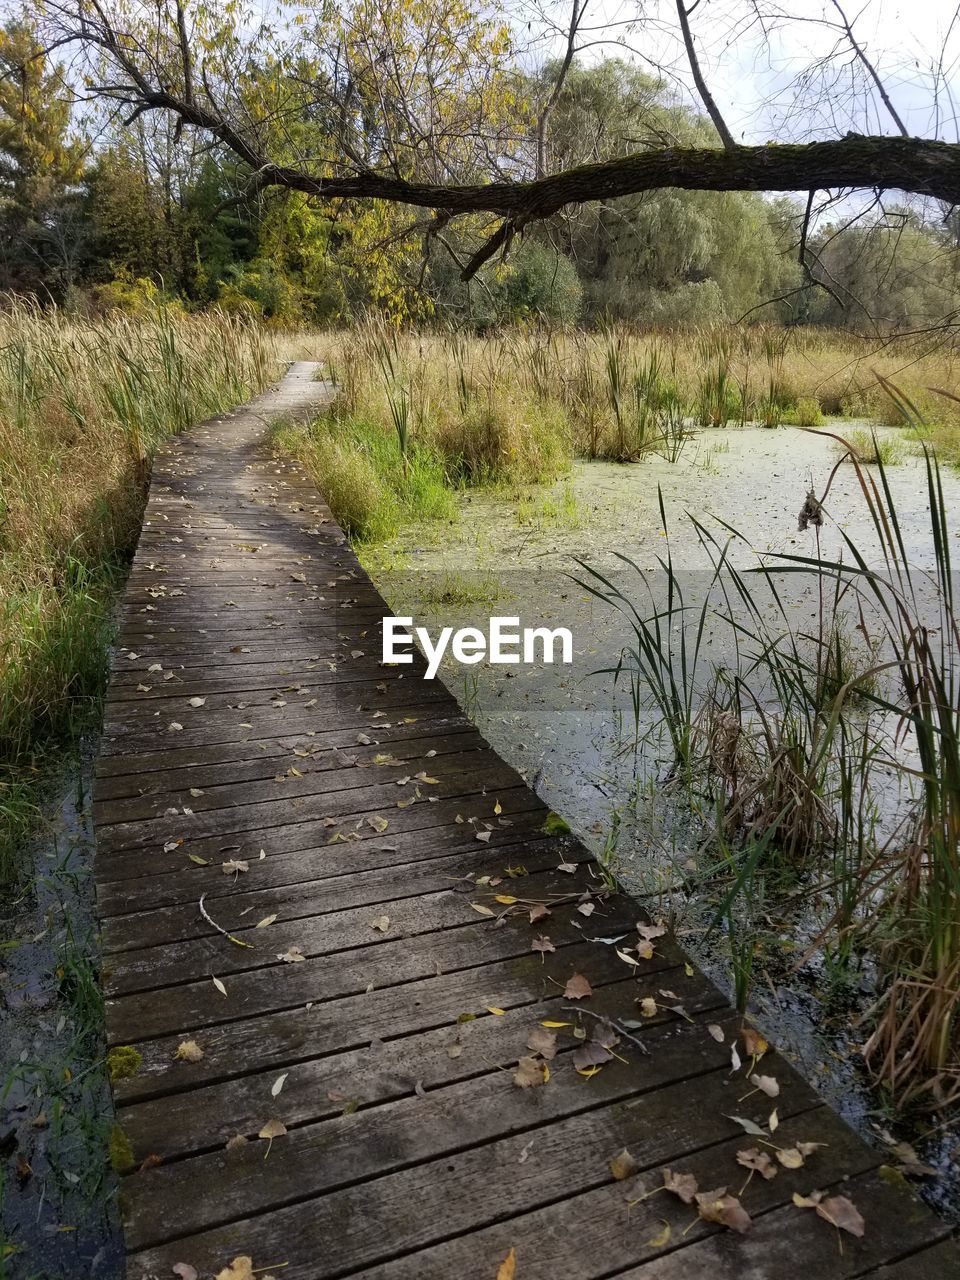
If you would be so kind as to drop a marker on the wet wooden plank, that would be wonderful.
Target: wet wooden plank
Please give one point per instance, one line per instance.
(379, 1014)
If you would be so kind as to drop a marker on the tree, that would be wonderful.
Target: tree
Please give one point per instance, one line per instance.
(193, 61)
(39, 166)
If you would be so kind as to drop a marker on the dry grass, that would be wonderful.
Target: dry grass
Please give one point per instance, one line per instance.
(518, 404)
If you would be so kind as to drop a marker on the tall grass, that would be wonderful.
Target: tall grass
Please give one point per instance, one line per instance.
(515, 406)
(82, 408)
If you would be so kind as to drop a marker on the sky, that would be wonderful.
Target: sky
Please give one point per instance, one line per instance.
(755, 69)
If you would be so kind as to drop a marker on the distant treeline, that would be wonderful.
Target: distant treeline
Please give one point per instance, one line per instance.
(97, 215)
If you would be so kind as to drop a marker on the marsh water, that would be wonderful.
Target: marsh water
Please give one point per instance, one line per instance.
(589, 746)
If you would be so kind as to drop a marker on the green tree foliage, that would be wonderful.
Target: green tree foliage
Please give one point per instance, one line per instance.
(428, 90)
(39, 167)
(893, 275)
(666, 256)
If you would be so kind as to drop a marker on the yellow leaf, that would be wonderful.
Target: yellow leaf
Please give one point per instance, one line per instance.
(507, 1269)
(548, 1023)
(661, 1238)
(505, 898)
(493, 1009)
(484, 911)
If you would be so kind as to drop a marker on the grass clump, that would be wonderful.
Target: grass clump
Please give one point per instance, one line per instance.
(372, 488)
(870, 447)
(806, 413)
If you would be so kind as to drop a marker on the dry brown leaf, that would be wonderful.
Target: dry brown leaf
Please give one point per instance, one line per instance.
(239, 1269)
(234, 866)
(293, 955)
(754, 1043)
(188, 1051)
(650, 931)
(577, 988)
(683, 1185)
(542, 943)
(538, 912)
(381, 924)
(766, 1084)
(591, 1054)
(530, 1072)
(648, 1007)
(758, 1161)
(843, 1214)
(717, 1206)
(623, 1165)
(542, 1041)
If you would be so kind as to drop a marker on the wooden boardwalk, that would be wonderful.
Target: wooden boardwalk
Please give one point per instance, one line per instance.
(381, 871)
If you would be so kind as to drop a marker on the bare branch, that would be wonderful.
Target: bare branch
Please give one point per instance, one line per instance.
(713, 111)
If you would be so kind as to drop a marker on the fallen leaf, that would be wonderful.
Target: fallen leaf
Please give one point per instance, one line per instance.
(568, 867)
(790, 1157)
(591, 1054)
(542, 1041)
(754, 1043)
(683, 1185)
(650, 931)
(377, 822)
(716, 1032)
(239, 1269)
(577, 988)
(483, 835)
(278, 1084)
(748, 1126)
(293, 955)
(843, 1214)
(623, 1165)
(492, 1008)
(234, 866)
(267, 920)
(382, 923)
(774, 1122)
(758, 1161)
(219, 985)
(542, 944)
(661, 1238)
(188, 1051)
(648, 1007)
(717, 1206)
(735, 1063)
(507, 1269)
(185, 1271)
(483, 910)
(538, 912)
(197, 702)
(766, 1084)
(530, 1072)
